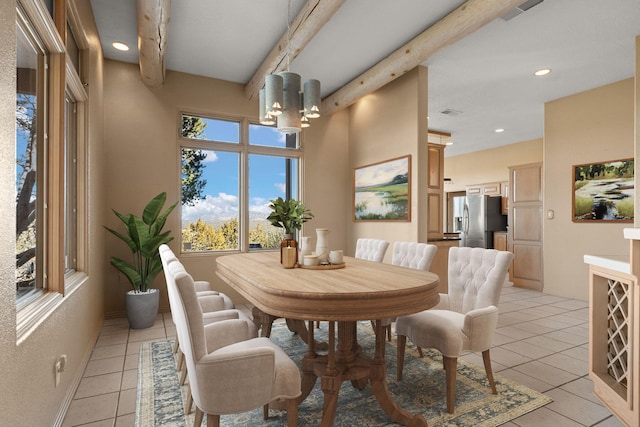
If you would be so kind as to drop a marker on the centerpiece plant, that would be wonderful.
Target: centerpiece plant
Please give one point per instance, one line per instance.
(288, 214)
(143, 235)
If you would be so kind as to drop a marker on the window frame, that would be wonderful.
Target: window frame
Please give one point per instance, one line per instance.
(63, 80)
(43, 93)
(244, 148)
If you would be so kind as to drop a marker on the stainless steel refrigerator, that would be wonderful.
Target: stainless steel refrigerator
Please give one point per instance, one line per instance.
(482, 216)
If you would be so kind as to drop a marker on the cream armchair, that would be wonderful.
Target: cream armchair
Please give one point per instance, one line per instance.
(229, 371)
(465, 319)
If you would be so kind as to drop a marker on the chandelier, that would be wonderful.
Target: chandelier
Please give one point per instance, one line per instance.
(282, 103)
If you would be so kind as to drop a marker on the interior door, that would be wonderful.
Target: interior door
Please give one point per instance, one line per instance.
(525, 225)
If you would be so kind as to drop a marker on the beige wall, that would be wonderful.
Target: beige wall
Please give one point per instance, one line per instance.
(389, 123)
(596, 125)
(143, 159)
(489, 165)
(592, 126)
(29, 395)
(139, 158)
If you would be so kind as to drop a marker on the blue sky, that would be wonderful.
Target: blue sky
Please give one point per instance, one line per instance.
(266, 175)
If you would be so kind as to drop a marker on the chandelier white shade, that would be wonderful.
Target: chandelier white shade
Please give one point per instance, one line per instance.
(265, 119)
(283, 103)
(273, 94)
(312, 99)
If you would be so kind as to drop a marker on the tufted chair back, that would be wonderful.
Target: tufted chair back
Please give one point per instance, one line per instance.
(413, 255)
(465, 318)
(476, 276)
(371, 249)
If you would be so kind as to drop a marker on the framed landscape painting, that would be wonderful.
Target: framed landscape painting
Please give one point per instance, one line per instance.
(382, 191)
(603, 192)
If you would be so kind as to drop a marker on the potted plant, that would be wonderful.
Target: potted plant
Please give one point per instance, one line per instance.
(289, 214)
(143, 235)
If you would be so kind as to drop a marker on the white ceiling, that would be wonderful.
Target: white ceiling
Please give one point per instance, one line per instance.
(487, 76)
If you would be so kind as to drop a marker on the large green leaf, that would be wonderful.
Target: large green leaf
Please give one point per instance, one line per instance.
(157, 225)
(138, 231)
(153, 208)
(151, 245)
(154, 268)
(124, 238)
(128, 270)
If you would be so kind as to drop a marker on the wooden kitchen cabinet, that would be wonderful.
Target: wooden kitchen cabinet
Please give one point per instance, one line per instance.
(500, 240)
(440, 263)
(435, 191)
(486, 189)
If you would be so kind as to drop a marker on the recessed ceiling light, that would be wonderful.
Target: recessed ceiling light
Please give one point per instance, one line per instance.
(120, 46)
(499, 130)
(542, 72)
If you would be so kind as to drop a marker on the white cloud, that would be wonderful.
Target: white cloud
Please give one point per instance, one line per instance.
(259, 210)
(280, 186)
(211, 156)
(221, 207)
(224, 207)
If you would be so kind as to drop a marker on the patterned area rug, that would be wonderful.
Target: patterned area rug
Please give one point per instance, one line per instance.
(422, 390)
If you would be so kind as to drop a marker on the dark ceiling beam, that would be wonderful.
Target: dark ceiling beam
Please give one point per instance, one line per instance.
(313, 16)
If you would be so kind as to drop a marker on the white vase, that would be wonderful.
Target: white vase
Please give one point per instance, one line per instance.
(305, 247)
(322, 244)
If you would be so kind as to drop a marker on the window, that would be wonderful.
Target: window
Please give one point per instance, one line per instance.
(31, 99)
(50, 182)
(231, 169)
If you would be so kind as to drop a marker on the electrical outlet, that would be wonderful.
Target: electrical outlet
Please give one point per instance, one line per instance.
(58, 367)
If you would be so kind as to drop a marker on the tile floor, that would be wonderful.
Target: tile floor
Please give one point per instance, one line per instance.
(541, 342)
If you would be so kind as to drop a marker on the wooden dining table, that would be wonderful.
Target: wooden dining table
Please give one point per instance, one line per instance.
(362, 290)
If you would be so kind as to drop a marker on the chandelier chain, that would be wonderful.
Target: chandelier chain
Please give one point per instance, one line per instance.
(288, 34)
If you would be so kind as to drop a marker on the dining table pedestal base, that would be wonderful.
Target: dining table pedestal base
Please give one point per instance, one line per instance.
(346, 362)
(264, 323)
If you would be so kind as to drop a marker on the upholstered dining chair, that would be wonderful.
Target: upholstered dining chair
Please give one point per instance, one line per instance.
(371, 249)
(203, 287)
(418, 256)
(215, 306)
(229, 370)
(465, 318)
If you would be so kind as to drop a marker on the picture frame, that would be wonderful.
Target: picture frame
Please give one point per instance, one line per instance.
(382, 191)
(603, 191)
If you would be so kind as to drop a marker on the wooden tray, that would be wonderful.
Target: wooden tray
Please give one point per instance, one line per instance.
(322, 267)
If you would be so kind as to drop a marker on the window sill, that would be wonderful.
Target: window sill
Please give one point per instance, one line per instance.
(29, 318)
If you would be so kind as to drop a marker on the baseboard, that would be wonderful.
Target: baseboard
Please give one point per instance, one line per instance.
(75, 383)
